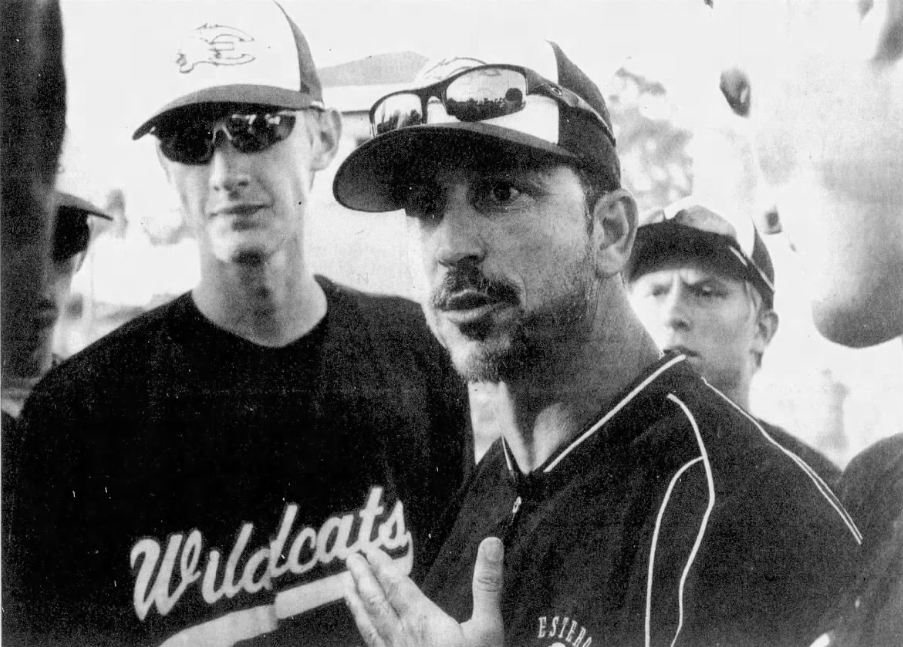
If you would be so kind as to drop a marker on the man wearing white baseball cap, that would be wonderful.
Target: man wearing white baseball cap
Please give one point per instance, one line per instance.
(627, 502)
(198, 476)
(702, 282)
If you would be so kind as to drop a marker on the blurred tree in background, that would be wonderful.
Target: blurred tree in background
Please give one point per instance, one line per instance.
(652, 145)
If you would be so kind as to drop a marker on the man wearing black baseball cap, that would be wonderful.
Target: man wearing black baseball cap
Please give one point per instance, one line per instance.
(633, 504)
(198, 476)
(702, 282)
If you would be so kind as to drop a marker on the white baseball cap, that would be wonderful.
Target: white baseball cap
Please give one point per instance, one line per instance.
(247, 51)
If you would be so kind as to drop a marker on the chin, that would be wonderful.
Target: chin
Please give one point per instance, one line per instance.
(493, 360)
(248, 251)
(856, 327)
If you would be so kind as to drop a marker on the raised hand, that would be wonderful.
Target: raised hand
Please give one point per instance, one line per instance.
(390, 611)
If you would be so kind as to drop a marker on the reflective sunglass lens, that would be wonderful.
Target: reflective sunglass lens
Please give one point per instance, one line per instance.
(192, 145)
(397, 111)
(257, 132)
(248, 133)
(70, 237)
(486, 93)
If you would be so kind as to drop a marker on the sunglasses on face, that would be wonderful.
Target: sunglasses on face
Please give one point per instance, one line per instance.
(191, 139)
(477, 94)
(70, 237)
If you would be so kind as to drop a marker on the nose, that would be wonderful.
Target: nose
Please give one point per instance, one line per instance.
(458, 237)
(675, 314)
(229, 171)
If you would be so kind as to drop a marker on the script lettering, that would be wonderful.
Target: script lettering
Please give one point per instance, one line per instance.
(160, 582)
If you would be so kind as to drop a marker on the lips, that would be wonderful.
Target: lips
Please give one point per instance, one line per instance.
(238, 210)
(467, 300)
(470, 307)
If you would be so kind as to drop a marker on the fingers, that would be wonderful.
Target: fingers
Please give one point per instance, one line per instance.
(399, 589)
(373, 614)
(487, 573)
(361, 616)
(485, 626)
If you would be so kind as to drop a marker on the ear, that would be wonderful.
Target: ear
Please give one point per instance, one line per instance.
(766, 327)
(326, 133)
(615, 219)
(79, 260)
(164, 163)
(884, 20)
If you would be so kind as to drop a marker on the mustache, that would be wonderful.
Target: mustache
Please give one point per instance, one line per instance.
(471, 279)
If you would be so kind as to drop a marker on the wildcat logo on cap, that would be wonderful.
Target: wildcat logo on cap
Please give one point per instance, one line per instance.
(214, 45)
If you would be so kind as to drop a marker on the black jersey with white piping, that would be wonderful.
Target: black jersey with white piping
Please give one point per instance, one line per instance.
(673, 520)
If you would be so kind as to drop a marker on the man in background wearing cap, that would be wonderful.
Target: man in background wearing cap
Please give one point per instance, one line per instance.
(71, 235)
(198, 476)
(634, 504)
(704, 286)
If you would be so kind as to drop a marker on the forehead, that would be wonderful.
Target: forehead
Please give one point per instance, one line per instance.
(688, 270)
(459, 167)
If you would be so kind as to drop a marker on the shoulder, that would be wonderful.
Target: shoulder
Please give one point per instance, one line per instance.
(401, 313)
(747, 471)
(394, 326)
(823, 466)
(110, 360)
(872, 486)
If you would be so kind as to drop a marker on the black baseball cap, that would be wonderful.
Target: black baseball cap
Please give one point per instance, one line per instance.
(692, 228)
(543, 129)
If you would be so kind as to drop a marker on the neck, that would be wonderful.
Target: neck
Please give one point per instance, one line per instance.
(740, 397)
(551, 406)
(270, 302)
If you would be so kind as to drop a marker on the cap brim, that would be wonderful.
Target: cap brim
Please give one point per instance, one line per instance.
(79, 205)
(366, 179)
(252, 94)
(666, 241)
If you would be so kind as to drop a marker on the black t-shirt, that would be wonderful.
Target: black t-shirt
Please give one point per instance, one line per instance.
(673, 520)
(179, 481)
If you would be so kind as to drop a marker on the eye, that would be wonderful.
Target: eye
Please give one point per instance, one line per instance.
(499, 194)
(736, 88)
(707, 291)
(421, 202)
(502, 192)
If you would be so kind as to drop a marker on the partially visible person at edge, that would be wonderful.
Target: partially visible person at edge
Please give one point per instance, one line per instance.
(199, 475)
(702, 282)
(627, 502)
(836, 179)
(71, 235)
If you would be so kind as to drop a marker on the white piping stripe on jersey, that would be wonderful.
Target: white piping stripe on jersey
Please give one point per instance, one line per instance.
(630, 396)
(710, 480)
(507, 457)
(658, 522)
(822, 487)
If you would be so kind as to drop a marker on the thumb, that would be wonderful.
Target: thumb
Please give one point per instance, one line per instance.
(485, 625)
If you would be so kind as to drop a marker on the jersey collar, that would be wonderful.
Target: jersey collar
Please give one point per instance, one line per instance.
(631, 405)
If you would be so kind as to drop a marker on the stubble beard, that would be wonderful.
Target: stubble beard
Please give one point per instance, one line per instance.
(534, 342)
